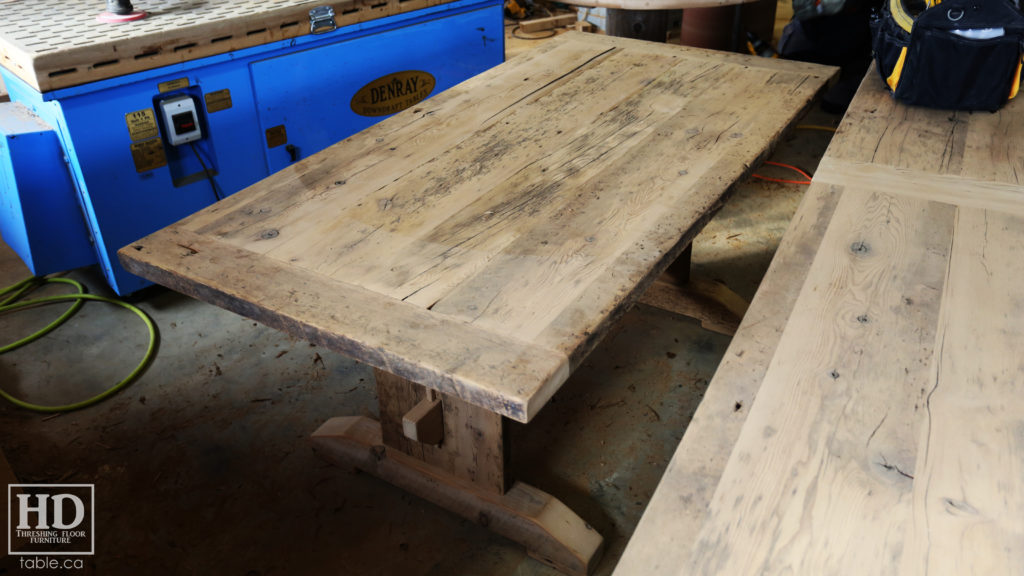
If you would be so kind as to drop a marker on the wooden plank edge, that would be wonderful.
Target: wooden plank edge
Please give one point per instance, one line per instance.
(732, 58)
(382, 347)
(550, 531)
(17, 63)
(946, 188)
(684, 493)
(541, 24)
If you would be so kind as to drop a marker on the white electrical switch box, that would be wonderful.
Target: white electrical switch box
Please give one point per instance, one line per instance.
(181, 123)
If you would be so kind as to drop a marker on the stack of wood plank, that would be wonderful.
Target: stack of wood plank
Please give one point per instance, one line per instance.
(868, 416)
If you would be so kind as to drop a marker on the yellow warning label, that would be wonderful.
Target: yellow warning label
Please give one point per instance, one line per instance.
(141, 124)
(392, 93)
(148, 155)
(276, 136)
(217, 101)
(172, 85)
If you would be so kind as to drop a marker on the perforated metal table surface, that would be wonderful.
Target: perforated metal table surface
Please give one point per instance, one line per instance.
(54, 44)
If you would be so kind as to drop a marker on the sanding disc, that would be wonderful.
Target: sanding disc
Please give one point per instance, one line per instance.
(111, 18)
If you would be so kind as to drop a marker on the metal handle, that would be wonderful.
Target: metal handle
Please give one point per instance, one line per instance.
(321, 20)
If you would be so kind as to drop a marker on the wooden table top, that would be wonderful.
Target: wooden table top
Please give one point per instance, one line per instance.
(886, 433)
(482, 242)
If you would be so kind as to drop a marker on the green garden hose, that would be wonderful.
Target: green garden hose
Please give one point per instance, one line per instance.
(14, 302)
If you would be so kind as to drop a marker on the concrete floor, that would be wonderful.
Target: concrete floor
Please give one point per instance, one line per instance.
(203, 466)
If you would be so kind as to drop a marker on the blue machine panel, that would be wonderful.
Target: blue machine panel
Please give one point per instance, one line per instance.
(130, 181)
(309, 93)
(39, 216)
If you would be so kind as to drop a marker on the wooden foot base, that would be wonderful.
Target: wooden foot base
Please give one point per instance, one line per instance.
(718, 308)
(550, 531)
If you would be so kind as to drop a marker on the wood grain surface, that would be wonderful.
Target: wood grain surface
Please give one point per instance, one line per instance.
(884, 437)
(663, 538)
(522, 211)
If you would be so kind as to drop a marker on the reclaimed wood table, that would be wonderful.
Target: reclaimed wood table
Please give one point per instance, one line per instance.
(868, 416)
(476, 247)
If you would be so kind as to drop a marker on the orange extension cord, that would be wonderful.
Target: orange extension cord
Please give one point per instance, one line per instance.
(807, 176)
(784, 181)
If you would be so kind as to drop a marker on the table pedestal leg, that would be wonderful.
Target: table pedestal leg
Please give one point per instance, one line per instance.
(463, 472)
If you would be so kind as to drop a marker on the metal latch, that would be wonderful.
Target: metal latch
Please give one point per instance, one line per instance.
(321, 20)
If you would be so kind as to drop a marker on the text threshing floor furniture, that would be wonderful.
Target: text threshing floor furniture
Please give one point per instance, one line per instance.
(477, 246)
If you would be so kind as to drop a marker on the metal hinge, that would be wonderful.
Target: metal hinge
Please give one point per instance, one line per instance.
(321, 20)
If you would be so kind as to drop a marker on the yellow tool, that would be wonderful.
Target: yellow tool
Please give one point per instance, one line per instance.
(514, 10)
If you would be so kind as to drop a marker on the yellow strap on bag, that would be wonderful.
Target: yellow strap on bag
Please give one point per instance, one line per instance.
(1015, 86)
(894, 78)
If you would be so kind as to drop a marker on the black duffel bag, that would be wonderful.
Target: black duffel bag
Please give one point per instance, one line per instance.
(959, 54)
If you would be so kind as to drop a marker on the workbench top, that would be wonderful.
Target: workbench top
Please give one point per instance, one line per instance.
(53, 44)
(482, 242)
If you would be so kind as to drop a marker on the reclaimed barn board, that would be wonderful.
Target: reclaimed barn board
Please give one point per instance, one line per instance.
(662, 540)
(53, 44)
(884, 437)
(483, 242)
(968, 500)
(832, 433)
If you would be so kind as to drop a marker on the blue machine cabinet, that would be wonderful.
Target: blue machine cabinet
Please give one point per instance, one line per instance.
(40, 218)
(259, 109)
